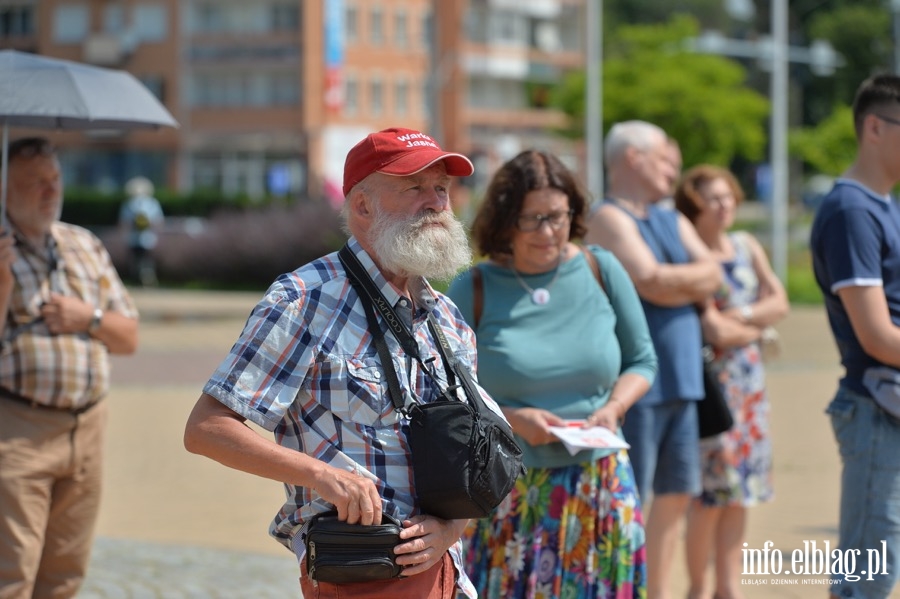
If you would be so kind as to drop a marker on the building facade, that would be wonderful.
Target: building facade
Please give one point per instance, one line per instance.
(271, 94)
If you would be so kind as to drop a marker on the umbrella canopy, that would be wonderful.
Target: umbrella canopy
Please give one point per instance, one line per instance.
(49, 93)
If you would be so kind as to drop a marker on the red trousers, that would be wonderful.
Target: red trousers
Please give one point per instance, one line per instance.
(439, 582)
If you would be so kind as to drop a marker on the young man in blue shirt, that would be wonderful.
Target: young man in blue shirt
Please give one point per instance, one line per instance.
(855, 243)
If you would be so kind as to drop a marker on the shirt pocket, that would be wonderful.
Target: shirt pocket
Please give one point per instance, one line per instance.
(366, 400)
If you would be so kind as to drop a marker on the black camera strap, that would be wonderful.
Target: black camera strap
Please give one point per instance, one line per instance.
(453, 366)
(371, 298)
(361, 280)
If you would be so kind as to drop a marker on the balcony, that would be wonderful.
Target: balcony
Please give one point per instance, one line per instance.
(516, 119)
(107, 49)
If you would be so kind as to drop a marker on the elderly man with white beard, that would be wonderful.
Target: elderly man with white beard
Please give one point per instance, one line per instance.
(307, 369)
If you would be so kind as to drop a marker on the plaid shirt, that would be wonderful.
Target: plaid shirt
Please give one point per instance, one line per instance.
(62, 371)
(305, 368)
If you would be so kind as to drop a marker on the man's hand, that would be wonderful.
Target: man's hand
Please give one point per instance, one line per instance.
(354, 496)
(429, 538)
(65, 314)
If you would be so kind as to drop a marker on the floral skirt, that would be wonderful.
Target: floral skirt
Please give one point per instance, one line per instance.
(574, 532)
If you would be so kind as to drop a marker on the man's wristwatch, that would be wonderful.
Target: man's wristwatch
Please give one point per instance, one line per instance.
(95, 320)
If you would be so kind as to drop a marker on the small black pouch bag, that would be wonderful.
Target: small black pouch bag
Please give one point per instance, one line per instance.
(339, 552)
(713, 414)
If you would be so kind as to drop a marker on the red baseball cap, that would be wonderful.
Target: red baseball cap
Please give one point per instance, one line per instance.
(399, 152)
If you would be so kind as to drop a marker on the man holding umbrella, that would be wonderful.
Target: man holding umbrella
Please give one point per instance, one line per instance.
(63, 310)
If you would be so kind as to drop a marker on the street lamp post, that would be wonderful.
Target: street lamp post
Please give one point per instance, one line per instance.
(593, 114)
(778, 138)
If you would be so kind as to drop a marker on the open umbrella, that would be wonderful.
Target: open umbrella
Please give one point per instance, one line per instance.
(48, 93)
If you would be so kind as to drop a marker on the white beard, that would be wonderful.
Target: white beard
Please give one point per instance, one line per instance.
(414, 246)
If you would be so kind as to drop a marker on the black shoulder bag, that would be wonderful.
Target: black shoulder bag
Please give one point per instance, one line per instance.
(465, 459)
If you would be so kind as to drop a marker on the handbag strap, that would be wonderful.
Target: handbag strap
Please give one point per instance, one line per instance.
(452, 365)
(591, 259)
(371, 297)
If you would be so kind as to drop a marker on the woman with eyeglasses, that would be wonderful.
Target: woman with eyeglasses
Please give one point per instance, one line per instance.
(562, 341)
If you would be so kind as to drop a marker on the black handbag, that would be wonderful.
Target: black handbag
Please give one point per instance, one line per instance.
(464, 456)
(713, 414)
(340, 552)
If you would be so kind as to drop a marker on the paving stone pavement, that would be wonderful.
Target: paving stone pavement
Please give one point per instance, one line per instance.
(130, 569)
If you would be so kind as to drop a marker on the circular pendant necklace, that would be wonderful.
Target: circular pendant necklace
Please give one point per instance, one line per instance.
(541, 295)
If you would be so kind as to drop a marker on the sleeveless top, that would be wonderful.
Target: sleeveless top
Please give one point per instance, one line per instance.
(675, 331)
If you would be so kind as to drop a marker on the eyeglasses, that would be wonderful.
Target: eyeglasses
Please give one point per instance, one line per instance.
(30, 147)
(888, 119)
(532, 222)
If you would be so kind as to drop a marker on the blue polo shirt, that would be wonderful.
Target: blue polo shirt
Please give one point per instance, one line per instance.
(855, 242)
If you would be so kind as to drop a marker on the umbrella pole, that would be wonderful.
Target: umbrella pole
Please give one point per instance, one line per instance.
(3, 170)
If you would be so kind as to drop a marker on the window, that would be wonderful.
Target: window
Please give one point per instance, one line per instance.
(427, 33)
(149, 22)
(376, 27)
(571, 28)
(208, 18)
(401, 35)
(351, 95)
(245, 88)
(376, 97)
(156, 85)
(16, 21)
(286, 89)
(113, 18)
(425, 98)
(70, 23)
(484, 92)
(232, 86)
(285, 17)
(401, 97)
(351, 24)
(508, 29)
(257, 90)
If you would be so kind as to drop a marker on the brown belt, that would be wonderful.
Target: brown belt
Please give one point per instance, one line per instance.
(7, 394)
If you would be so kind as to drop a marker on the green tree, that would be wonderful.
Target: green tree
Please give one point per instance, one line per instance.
(710, 13)
(861, 34)
(828, 147)
(700, 100)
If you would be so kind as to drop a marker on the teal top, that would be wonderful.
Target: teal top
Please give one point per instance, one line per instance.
(563, 356)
